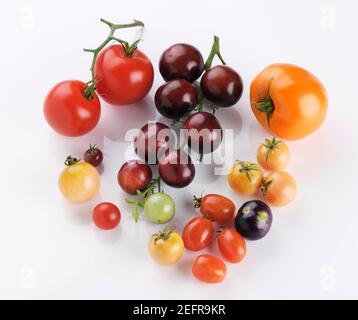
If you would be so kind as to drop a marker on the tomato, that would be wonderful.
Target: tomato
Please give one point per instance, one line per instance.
(279, 188)
(166, 247)
(217, 207)
(231, 245)
(198, 233)
(68, 112)
(288, 101)
(106, 216)
(245, 177)
(93, 156)
(273, 155)
(79, 181)
(122, 78)
(208, 268)
(159, 208)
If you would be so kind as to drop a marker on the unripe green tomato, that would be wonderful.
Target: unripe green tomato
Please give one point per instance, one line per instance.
(159, 208)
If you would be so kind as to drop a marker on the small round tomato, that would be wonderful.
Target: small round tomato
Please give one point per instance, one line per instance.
(106, 216)
(166, 247)
(159, 208)
(279, 188)
(198, 233)
(245, 177)
(208, 268)
(123, 77)
(231, 245)
(273, 155)
(68, 111)
(93, 156)
(217, 207)
(79, 181)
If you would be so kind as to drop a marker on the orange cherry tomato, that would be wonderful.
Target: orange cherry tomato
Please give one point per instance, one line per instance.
(198, 233)
(208, 268)
(273, 155)
(231, 245)
(288, 101)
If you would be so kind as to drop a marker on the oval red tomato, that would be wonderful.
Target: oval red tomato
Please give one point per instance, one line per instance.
(197, 234)
(217, 207)
(208, 268)
(231, 245)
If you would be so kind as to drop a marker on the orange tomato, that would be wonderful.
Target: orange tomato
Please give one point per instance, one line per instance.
(288, 101)
(208, 268)
(273, 155)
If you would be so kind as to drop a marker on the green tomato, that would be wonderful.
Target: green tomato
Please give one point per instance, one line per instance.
(159, 208)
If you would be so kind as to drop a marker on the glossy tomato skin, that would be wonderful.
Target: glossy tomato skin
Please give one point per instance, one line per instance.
(198, 233)
(299, 101)
(176, 169)
(273, 158)
(222, 85)
(209, 269)
(181, 61)
(68, 112)
(217, 207)
(176, 98)
(159, 208)
(134, 175)
(121, 79)
(231, 245)
(93, 156)
(106, 216)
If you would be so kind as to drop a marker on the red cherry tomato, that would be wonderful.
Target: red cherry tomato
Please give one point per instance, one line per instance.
(106, 216)
(123, 79)
(217, 207)
(231, 245)
(68, 112)
(209, 269)
(197, 234)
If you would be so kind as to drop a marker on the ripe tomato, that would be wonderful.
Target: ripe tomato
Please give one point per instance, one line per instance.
(68, 112)
(93, 156)
(279, 188)
(288, 101)
(217, 207)
(273, 155)
(123, 79)
(245, 177)
(197, 234)
(208, 268)
(166, 247)
(106, 216)
(231, 245)
(79, 181)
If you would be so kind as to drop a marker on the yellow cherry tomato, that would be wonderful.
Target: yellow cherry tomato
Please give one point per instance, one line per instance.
(279, 188)
(166, 247)
(79, 182)
(273, 155)
(245, 177)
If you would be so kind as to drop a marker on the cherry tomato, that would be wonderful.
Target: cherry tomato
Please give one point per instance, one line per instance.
(79, 181)
(198, 233)
(166, 247)
(106, 216)
(279, 188)
(231, 245)
(67, 110)
(123, 78)
(245, 177)
(93, 156)
(273, 155)
(217, 207)
(208, 268)
(288, 101)
(159, 208)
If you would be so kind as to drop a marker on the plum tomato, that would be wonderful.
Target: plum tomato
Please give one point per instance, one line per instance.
(159, 208)
(93, 156)
(208, 268)
(198, 233)
(106, 216)
(232, 245)
(273, 155)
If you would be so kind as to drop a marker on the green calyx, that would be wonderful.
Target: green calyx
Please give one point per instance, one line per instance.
(247, 167)
(71, 160)
(162, 235)
(266, 106)
(197, 201)
(265, 185)
(270, 145)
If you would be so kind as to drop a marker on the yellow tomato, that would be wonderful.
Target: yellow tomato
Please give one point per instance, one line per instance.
(166, 247)
(245, 177)
(79, 181)
(273, 155)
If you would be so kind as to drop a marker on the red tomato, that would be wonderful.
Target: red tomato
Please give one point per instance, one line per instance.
(197, 234)
(217, 207)
(123, 79)
(106, 216)
(68, 112)
(209, 269)
(231, 245)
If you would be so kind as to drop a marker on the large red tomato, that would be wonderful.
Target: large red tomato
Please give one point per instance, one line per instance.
(123, 79)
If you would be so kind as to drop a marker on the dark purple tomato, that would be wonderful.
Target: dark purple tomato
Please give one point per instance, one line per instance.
(134, 175)
(176, 169)
(253, 220)
(181, 61)
(93, 156)
(152, 141)
(176, 98)
(203, 132)
(222, 86)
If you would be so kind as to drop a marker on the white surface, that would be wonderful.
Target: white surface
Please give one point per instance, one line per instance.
(50, 249)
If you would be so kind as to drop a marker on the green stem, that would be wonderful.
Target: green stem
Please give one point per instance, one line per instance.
(215, 51)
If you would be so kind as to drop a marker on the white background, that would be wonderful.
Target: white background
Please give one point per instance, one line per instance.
(50, 249)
